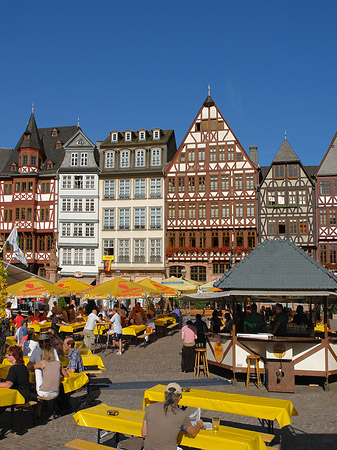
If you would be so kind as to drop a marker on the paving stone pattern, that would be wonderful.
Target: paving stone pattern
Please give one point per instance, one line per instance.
(314, 428)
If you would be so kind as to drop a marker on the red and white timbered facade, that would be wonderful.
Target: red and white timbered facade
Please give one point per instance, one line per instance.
(210, 199)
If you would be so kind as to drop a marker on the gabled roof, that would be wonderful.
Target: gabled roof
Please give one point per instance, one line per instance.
(278, 265)
(4, 155)
(328, 166)
(285, 154)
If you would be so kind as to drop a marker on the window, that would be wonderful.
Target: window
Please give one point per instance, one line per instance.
(182, 157)
(66, 256)
(139, 250)
(302, 198)
(202, 184)
(214, 183)
(23, 214)
(66, 182)
(24, 186)
(17, 187)
(89, 230)
(142, 135)
(84, 159)
(333, 253)
(250, 209)
(279, 171)
(272, 226)
(198, 273)
(33, 160)
(219, 268)
(66, 204)
(140, 188)
(124, 188)
(281, 198)
(108, 219)
(226, 238)
(303, 226)
(239, 156)
(175, 271)
(78, 182)
(191, 239)
(58, 144)
(292, 198)
(171, 184)
(215, 239)
(24, 160)
(181, 239)
(17, 213)
(139, 218)
(8, 188)
(171, 212)
(78, 256)
(191, 211)
(74, 159)
(181, 184)
(323, 253)
(249, 182)
(77, 204)
(202, 239)
(90, 205)
(202, 211)
(271, 198)
(155, 250)
(293, 226)
(225, 183)
(125, 159)
(45, 187)
(109, 160)
(90, 182)
(109, 189)
(128, 136)
(251, 239)
(156, 134)
(140, 158)
(332, 217)
(239, 210)
(29, 243)
(54, 132)
(78, 231)
(238, 182)
(225, 210)
(230, 153)
(65, 229)
(239, 238)
(155, 218)
(114, 137)
(293, 170)
(124, 250)
(108, 247)
(155, 157)
(222, 154)
(41, 243)
(124, 218)
(322, 217)
(212, 154)
(172, 239)
(191, 184)
(281, 226)
(29, 213)
(90, 257)
(214, 210)
(155, 187)
(335, 187)
(30, 186)
(181, 211)
(191, 156)
(201, 154)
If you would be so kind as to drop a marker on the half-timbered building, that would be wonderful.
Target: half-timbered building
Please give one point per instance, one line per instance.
(78, 216)
(132, 202)
(28, 192)
(326, 195)
(210, 199)
(287, 200)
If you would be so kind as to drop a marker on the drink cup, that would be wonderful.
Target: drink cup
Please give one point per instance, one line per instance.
(215, 424)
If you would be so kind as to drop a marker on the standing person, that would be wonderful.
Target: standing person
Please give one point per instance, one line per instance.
(150, 326)
(216, 323)
(201, 327)
(75, 363)
(163, 421)
(300, 318)
(188, 335)
(176, 313)
(29, 344)
(21, 332)
(280, 324)
(118, 330)
(18, 376)
(254, 323)
(8, 317)
(228, 323)
(56, 322)
(56, 309)
(18, 319)
(89, 337)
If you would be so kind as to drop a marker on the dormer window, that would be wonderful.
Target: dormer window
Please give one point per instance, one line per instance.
(156, 134)
(13, 167)
(54, 132)
(58, 144)
(142, 135)
(33, 160)
(114, 137)
(49, 164)
(128, 136)
(24, 160)
(26, 136)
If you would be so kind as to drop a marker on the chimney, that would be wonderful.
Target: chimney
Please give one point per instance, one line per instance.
(253, 154)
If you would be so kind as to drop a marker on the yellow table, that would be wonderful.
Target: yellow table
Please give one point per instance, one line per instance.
(39, 327)
(133, 330)
(74, 381)
(83, 351)
(72, 327)
(245, 405)
(163, 321)
(130, 422)
(88, 360)
(10, 340)
(4, 369)
(9, 397)
(100, 328)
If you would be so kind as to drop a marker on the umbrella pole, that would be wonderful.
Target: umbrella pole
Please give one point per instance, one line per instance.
(189, 310)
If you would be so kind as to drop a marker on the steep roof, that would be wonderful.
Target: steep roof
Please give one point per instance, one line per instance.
(328, 166)
(32, 133)
(285, 154)
(278, 265)
(4, 155)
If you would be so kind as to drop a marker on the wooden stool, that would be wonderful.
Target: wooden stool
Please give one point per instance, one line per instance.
(255, 359)
(200, 360)
(48, 399)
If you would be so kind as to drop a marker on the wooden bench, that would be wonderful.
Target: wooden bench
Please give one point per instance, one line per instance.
(79, 444)
(25, 406)
(143, 336)
(267, 437)
(172, 326)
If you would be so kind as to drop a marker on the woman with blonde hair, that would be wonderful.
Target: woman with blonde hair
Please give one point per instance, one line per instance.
(48, 374)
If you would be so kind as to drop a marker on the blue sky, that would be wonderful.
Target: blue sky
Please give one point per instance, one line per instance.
(117, 65)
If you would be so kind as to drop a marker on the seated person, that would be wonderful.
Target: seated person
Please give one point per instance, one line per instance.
(36, 317)
(228, 323)
(18, 376)
(71, 313)
(43, 317)
(56, 322)
(36, 355)
(29, 344)
(18, 319)
(75, 363)
(21, 332)
(150, 326)
(163, 421)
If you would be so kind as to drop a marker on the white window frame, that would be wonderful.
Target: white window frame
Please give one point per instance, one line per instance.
(66, 204)
(90, 182)
(155, 250)
(78, 182)
(90, 205)
(139, 217)
(89, 230)
(140, 158)
(78, 256)
(77, 205)
(89, 256)
(66, 257)
(155, 188)
(109, 160)
(107, 245)
(155, 218)
(65, 230)
(77, 229)
(74, 159)
(140, 188)
(128, 136)
(156, 134)
(139, 250)
(66, 182)
(125, 159)
(108, 219)
(84, 159)
(109, 189)
(114, 137)
(124, 250)
(124, 219)
(156, 157)
(124, 189)
(142, 135)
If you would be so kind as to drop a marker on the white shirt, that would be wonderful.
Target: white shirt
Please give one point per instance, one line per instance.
(29, 347)
(116, 321)
(36, 355)
(91, 322)
(8, 313)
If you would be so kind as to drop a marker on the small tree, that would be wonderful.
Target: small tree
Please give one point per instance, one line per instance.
(3, 296)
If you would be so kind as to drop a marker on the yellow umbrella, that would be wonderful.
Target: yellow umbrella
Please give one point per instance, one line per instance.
(34, 287)
(208, 287)
(180, 284)
(72, 285)
(161, 288)
(118, 287)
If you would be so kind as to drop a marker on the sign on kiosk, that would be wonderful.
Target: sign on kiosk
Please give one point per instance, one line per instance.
(107, 261)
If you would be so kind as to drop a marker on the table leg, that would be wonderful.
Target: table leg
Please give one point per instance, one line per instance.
(98, 436)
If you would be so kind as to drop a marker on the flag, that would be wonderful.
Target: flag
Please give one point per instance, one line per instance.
(13, 240)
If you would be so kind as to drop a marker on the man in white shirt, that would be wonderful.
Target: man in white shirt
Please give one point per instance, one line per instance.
(118, 330)
(88, 332)
(36, 355)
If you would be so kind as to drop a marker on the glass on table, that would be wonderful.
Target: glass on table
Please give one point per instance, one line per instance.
(215, 424)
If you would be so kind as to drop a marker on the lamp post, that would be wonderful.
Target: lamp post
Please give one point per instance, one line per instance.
(183, 272)
(118, 273)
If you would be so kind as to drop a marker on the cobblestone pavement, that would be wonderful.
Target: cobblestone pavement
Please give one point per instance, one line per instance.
(314, 428)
